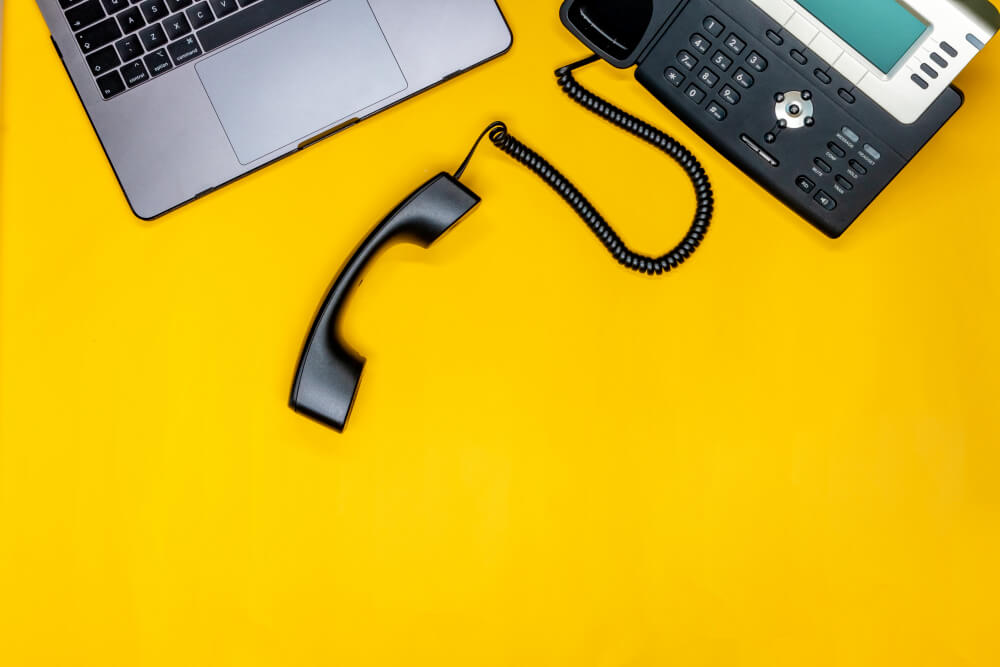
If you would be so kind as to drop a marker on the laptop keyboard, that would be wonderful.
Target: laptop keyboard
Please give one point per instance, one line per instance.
(129, 42)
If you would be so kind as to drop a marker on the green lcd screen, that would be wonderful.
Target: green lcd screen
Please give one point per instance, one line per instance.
(880, 30)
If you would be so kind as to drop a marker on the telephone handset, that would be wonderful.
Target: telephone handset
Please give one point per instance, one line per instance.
(804, 97)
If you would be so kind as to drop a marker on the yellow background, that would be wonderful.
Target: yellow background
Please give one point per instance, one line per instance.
(784, 454)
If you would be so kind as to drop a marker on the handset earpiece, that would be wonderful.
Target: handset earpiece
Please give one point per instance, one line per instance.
(329, 371)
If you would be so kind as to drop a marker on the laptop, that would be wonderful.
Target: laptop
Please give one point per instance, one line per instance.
(187, 95)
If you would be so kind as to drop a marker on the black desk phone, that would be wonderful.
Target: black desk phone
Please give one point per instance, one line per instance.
(822, 102)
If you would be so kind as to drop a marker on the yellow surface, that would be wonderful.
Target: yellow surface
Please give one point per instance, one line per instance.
(783, 455)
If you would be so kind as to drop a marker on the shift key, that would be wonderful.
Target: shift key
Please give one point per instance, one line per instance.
(246, 21)
(98, 35)
(184, 50)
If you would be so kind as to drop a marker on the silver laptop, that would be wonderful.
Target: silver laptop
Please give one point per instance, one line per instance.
(187, 95)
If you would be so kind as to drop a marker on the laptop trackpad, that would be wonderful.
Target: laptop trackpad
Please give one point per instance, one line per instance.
(300, 77)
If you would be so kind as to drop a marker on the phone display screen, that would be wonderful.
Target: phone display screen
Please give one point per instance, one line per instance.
(880, 30)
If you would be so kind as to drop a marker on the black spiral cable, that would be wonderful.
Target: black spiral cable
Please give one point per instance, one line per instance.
(502, 139)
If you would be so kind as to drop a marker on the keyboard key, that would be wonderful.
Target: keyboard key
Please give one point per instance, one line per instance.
(200, 15)
(708, 77)
(158, 62)
(131, 20)
(757, 61)
(701, 44)
(716, 111)
(695, 94)
(153, 37)
(735, 44)
(111, 84)
(743, 78)
(176, 26)
(98, 35)
(83, 15)
(154, 10)
(135, 73)
(729, 94)
(722, 61)
(66, 4)
(102, 61)
(825, 200)
(713, 27)
(112, 6)
(177, 5)
(129, 48)
(244, 3)
(184, 50)
(674, 77)
(246, 21)
(223, 7)
(686, 59)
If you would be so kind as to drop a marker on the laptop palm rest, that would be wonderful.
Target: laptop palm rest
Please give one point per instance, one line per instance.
(300, 77)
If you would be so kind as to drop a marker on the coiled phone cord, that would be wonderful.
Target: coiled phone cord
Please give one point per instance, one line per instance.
(502, 139)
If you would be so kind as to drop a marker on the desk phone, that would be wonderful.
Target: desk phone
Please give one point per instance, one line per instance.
(822, 102)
